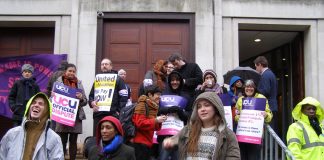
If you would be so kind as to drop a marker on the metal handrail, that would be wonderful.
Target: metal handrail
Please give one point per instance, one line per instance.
(271, 152)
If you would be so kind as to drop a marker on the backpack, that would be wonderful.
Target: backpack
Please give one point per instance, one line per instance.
(125, 118)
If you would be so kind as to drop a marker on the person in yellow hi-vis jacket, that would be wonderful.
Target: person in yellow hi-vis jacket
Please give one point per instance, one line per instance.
(305, 137)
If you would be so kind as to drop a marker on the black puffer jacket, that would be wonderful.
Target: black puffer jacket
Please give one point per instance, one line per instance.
(18, 96)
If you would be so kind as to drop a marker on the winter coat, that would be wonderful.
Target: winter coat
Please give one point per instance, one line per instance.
(119, 98)
(184, 115)
(226, 146)
(216, 88)
(124, 152)
(145, 125)
(18, 99)
(49, 145)
(51, 81)
(192, 75)
(61, 128)
(232, 83)
(268, 86)
(302, 139)
(257, 95)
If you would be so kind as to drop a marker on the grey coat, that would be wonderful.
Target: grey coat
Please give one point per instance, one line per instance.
(61, 128)
(49, 145)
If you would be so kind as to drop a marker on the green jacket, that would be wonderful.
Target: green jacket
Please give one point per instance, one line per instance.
(302, 140)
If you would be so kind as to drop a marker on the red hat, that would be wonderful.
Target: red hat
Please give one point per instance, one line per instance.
(114, 121)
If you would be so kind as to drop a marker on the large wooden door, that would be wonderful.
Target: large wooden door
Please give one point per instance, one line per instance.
(18, 41)
(136, 46)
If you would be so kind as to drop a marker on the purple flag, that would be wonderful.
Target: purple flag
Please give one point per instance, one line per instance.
(10, 71)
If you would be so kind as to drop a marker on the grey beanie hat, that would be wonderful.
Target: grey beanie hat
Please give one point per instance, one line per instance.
(27, 67)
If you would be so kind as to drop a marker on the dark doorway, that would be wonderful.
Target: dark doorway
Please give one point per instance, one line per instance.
(287, 62)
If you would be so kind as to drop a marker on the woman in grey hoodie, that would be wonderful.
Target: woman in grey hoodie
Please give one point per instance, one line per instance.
(206, 136)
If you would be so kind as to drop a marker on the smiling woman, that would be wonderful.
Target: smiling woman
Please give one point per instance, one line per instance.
(207, 130)
(109, 141)
(71, 132)
(251, 151)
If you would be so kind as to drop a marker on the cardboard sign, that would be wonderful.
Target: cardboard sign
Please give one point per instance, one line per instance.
(250, 124)
(104, 87)
(226, 100)
(171, 126)
(65, 104)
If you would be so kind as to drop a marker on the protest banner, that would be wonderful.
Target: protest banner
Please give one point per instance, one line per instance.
(173, 124)
(227, 100)
(104, 90)
(10, 71)
(65, 104)
(250, 124)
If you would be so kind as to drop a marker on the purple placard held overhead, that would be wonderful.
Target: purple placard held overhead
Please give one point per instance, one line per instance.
(173, 100)
(254, 103)
(10, 71)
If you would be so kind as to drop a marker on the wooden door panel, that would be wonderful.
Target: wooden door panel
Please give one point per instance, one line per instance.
(166, 33)
(165, 39)
(164, 51)
(26, 41)
(124, 45)
(10, 43)
(124, 53)
(136, 46)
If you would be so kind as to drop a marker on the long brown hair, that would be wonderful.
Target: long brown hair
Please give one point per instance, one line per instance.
(195, 128)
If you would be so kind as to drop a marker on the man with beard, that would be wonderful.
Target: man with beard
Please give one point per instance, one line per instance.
(119, 98)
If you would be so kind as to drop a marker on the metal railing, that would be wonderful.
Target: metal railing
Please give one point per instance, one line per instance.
(270, 147)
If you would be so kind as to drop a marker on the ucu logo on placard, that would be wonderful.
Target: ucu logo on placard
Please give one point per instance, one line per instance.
(62, 88)
(248, 102)
(167, 99)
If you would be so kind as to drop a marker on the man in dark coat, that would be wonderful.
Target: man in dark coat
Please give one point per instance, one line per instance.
(119, 99)
(191, 73)
(21, 91)
(268, 87)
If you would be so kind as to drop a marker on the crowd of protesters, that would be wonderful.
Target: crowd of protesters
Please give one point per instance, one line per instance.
(174, 92)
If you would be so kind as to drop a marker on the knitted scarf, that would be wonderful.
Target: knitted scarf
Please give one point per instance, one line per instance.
(140, 107)
(217, 88)
(159, 71)
(28, 83)
(315, 125)
(71, 82)
(110, 147)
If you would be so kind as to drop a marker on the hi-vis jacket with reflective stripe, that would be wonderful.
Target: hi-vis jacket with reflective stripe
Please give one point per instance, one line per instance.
(302, 139)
